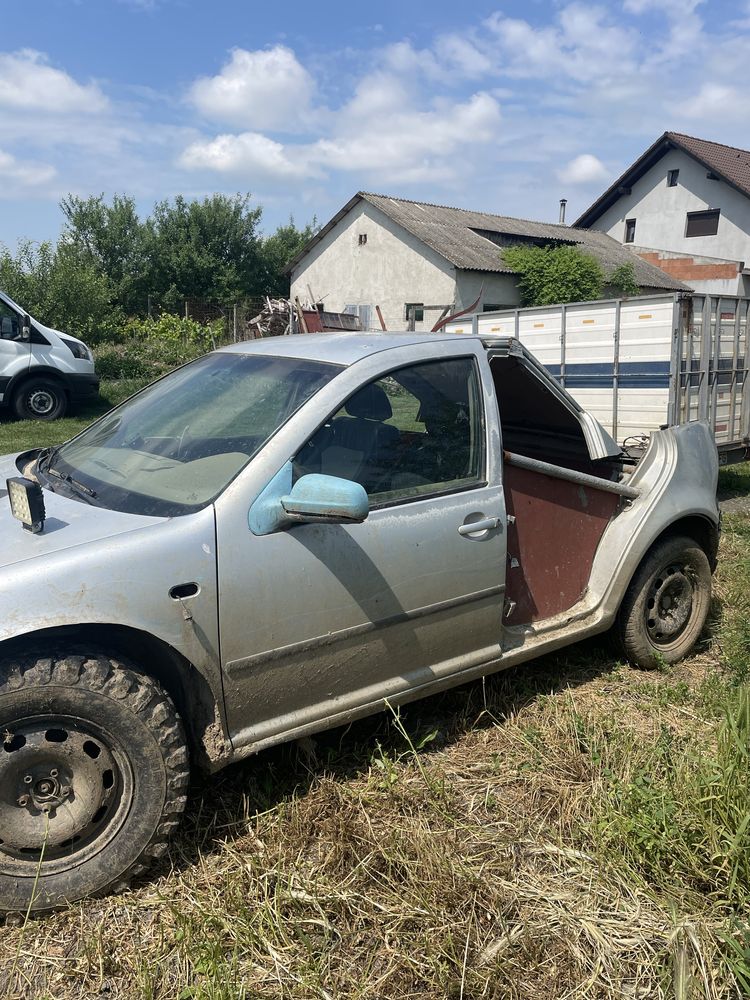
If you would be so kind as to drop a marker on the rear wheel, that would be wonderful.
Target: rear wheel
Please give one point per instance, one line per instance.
(40, 399)
(93, 773)
(667, 603)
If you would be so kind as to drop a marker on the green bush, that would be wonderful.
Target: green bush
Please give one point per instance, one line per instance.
(555, 274)
(145, 349)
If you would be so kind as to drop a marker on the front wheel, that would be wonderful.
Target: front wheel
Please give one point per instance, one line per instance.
(40, 399)
(667, 603)
(93, 774)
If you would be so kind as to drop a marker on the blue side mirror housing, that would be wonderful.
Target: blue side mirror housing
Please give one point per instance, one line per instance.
(313, 498)
(326, 499)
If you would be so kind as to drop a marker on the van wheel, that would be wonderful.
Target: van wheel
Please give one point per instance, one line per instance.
(93, 774)
(40, 399)
(667, 604)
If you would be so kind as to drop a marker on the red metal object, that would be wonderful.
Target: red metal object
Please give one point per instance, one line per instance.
(462, 312)
(551, 545)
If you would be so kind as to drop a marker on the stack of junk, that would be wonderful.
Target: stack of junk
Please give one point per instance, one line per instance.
(278, 318)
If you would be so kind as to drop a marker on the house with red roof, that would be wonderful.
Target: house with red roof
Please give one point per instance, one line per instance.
(684, 205)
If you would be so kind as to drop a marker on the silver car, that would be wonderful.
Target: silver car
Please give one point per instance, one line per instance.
(284, 535)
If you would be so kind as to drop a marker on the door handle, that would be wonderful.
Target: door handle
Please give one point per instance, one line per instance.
(486, 524)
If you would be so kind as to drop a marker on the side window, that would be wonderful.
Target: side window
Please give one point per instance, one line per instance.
(415, 432)
(10, 323)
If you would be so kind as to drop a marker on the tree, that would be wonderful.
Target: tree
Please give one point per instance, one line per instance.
(206, 249)
(555, 274)
(61, 288)
(113, 240)
(278, 249)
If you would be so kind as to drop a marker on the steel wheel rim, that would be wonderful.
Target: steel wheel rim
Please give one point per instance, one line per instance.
(669, 605)
(71, 775)
(41, 402)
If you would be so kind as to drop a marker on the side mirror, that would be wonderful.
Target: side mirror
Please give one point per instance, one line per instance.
(326, 499)
(26, 328)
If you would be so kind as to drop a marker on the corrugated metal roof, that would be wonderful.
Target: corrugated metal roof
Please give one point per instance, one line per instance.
(452, 232)
(455, 234)
(730, 163)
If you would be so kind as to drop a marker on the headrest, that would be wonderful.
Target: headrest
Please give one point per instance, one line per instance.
(371, 402)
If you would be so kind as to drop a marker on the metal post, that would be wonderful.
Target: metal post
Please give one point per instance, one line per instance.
(705, 363)
(563, 342)
(616, 368)
(234, 322)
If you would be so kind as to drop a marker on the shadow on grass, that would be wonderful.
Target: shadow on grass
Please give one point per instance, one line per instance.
(218, 809)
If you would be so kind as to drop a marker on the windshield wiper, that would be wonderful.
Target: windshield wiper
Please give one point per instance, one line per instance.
(78, 487)
(44, 458)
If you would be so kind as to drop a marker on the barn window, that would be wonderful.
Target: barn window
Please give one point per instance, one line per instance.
(672, 176)
(414, 311)
(629, 230)
(702, 223)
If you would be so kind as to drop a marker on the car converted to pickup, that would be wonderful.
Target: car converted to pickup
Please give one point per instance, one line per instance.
(286, 535)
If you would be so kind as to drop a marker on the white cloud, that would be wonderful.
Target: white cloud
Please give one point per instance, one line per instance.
(26, 174)
(265, 89)
(411, 144)
(585, 45)
(715, 100)
(251, 154)
(584, 169)
(29, 83)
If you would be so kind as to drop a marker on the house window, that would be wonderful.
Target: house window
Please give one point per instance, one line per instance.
(672, 176)
(629, 230)
(362, 239)
(414, 311)
(702, 223)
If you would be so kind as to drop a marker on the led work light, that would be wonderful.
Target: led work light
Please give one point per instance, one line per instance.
(26, 503)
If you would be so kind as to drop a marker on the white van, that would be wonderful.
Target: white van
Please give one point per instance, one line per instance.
(42, 370)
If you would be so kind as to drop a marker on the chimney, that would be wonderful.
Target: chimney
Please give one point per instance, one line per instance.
(563, 203)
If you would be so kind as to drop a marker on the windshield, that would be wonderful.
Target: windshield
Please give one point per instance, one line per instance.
(176, 445)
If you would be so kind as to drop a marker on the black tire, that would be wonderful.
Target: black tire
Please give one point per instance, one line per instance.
(40, 398)
(96, 751)
(667, 603)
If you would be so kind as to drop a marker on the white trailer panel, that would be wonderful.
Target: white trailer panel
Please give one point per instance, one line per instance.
(641, 363)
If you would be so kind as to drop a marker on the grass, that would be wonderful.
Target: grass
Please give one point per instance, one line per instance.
(20, 435)
(571, 828)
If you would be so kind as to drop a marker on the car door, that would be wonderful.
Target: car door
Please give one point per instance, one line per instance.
(322, 620)
(15, 353)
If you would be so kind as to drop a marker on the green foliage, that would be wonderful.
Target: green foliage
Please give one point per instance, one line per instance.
(622, 281)
(555, 274)
(679, 815)
(209, 249)
(62, 288)
(278, 249)
(114, 242)
(149, 348)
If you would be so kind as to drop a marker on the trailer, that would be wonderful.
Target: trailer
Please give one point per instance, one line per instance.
(641, 363)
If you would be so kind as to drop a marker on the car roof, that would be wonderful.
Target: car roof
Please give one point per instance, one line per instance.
(337, 348)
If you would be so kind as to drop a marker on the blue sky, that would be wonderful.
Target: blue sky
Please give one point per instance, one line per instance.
(503, 107)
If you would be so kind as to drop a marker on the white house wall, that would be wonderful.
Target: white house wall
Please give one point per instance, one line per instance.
(390, 269)
(661, 212)
(498, 290)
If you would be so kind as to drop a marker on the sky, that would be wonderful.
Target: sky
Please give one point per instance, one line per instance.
(499, 107)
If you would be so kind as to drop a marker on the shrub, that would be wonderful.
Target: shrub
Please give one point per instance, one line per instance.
(550, 275)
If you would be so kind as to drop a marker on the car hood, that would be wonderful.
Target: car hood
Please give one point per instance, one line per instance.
(70, 523)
